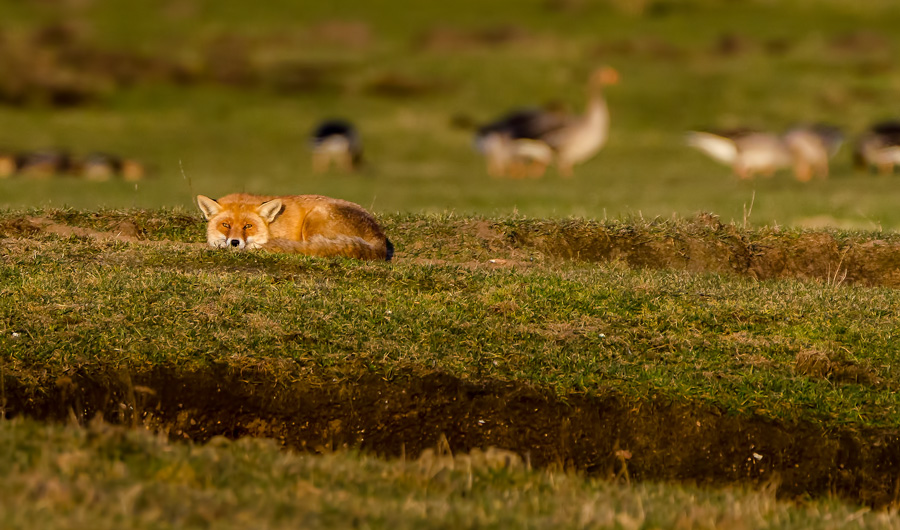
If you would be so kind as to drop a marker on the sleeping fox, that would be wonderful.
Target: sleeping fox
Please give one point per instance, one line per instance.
(303, 224)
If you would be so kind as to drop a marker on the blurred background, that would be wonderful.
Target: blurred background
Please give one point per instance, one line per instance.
(218, 96)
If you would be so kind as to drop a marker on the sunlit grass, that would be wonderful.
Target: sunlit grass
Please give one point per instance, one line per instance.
(446, 303)
(786, 350)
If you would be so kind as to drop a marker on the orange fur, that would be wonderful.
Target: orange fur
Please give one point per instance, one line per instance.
(304, 224)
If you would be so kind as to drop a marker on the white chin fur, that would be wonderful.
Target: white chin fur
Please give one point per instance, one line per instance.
(225, 243)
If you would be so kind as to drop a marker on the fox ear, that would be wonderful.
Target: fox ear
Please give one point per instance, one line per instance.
(208, 206)
(269, 210)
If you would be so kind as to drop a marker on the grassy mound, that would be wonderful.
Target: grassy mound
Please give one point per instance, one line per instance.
(127, 315)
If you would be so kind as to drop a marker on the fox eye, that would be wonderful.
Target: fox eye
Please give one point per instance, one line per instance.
(226, 225)
(248, 226)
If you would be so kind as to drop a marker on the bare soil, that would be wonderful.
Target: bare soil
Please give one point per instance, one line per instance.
(603, 435)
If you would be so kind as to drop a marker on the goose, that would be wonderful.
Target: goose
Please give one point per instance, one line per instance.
(132, 170)
(811, 147)
(747, 152)
(879, 147)
(43, 164)
(534, 135)
(509, 144)
(579, 138)
(98, 166)
(8, 166)
(335, 142)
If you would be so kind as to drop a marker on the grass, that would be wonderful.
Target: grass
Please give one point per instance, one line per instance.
(70, 304)
(211, 139)
(498, 306)
(107, 477)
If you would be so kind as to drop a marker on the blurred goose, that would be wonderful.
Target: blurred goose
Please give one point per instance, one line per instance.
(529, 158)
(42, 164)
(509, 146)
(8, 166)
(811, 147)
(132, 170)
(570, 139)
(581, 137)
(879, 147)
(98, 166)
(336, 142)
(747, 152)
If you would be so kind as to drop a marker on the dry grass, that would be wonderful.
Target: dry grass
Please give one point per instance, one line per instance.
(106, 477)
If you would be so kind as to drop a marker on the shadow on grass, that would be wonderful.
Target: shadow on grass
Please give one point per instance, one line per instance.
(603, 435)
(704, 244)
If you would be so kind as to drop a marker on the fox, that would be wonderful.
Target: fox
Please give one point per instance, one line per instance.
(314, 225)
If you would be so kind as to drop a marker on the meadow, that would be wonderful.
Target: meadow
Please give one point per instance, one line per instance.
(224, 106)
(651, 343)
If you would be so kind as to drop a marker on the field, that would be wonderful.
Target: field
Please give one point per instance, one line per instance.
(651, 343)
(212, 105)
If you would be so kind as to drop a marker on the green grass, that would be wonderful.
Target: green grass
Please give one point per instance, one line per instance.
(815, 352)
(720, 340)
(107, 477)
(216, 140)
(785, 350)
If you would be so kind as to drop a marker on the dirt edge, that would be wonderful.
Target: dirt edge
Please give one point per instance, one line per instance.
(704, 244)
(603, 435)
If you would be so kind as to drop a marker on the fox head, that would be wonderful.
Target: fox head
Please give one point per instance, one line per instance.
(238, 226)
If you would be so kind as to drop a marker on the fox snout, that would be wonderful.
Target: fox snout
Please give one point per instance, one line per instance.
(238, 239)
(244, 237)
(230, 238)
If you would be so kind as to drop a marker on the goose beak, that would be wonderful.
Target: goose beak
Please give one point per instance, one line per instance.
(605, 76)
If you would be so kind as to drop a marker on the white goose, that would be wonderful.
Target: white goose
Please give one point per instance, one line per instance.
(747, 152)
(806, 149)
(811, 147)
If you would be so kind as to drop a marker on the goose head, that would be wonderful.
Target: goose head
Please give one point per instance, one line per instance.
(603, 76)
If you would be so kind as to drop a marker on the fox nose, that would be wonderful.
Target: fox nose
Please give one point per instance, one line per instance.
(235, 242)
